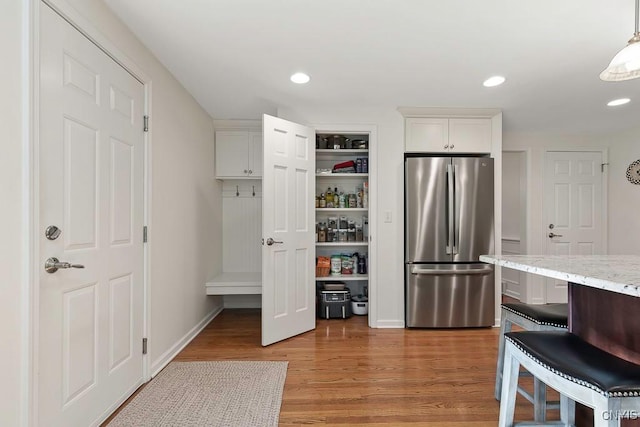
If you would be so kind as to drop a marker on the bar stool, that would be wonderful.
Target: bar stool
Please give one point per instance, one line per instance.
(531, 317)
(579, 371)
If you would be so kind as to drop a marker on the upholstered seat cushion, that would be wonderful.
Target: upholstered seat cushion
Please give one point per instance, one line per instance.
(544, 314)
(575, 359)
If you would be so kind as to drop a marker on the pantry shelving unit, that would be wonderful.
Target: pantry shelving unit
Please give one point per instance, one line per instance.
(348, 183)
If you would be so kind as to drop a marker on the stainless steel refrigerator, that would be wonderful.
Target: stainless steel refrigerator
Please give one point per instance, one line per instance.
(448, 225)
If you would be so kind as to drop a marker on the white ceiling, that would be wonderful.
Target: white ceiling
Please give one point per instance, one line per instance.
(236, 56)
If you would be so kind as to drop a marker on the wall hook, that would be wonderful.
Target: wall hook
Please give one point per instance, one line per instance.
(237, 191)
(253, 187)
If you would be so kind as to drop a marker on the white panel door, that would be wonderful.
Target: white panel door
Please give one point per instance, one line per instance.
(288, 229)
(573, 208)
(91, 188)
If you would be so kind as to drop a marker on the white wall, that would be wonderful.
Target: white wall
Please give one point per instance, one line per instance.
(389, 271)
(511, 179)
(13, 356)
(623, 198)
(389, 195)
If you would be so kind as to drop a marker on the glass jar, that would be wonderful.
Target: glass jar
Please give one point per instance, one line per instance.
(344, 223)
(342, 235)
(359, 233)
(352, 201)
(332, 222)
(322, 233)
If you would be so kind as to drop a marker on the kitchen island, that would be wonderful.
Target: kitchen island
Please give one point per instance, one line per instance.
(604, 298)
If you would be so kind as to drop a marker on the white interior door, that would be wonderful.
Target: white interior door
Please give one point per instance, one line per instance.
(91, 187)
(288, 251)
(573, 209)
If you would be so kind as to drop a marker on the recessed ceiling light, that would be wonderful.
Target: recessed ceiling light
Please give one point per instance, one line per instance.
(493, 81)
(617, 102)
(300, 78)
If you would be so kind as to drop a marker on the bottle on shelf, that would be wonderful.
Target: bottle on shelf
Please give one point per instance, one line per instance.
(329, 198)
(323, 202)
(336, 198)
(343, 200)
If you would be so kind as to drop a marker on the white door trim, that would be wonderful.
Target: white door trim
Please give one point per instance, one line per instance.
(526, 230)
(372, 130)
(30, 188)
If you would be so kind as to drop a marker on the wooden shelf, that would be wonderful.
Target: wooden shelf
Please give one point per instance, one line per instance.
(235, 284)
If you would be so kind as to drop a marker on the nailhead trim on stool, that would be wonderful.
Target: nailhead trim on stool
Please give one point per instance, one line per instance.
(579, 371)
(535, 318)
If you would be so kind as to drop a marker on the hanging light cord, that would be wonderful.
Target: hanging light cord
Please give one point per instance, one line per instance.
(637, 33)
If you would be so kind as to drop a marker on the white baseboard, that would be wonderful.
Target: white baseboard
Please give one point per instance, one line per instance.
(168, 355)
(388, 324)
(512, 293)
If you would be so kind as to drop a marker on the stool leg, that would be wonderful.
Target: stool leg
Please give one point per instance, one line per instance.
(539, 400)
(509, 388)
(505, 326)
(567, 411)
(608, 414)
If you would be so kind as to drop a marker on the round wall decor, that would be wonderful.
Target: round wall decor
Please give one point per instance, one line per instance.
(633, 172)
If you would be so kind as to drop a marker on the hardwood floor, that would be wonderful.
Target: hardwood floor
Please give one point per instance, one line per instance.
(346, 374)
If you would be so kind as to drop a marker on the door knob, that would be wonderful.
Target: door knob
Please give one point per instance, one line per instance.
(270, 241)
(53, 264)
(552, 235)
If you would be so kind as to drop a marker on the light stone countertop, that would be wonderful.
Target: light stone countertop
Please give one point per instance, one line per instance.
(616, 273)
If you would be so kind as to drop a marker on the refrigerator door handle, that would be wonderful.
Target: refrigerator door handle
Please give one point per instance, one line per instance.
(448, 272)
(455, 228)
(450, 205)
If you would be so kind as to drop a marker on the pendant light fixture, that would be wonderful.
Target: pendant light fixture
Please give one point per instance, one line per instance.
(626, 64)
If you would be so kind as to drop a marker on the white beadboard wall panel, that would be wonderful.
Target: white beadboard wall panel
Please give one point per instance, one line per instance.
(242, 226)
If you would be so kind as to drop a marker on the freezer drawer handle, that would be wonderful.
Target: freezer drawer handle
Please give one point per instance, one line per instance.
(440, 272)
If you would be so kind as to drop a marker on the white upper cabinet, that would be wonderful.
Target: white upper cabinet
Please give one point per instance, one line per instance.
(238, 154)
(437, 135)
(255, 154)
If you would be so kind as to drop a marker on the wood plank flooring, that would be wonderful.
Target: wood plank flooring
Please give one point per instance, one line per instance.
(346, 374)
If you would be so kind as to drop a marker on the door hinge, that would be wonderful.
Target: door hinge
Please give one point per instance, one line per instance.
(146, 124)
(144, 346)
(144, 234)
(602, 165)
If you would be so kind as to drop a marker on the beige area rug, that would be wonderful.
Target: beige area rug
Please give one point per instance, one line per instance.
(209, 394)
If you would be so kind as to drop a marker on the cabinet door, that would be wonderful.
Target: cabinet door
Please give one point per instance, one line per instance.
(255, 154)
(232, 153)
(426, 134)
(470, 135)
